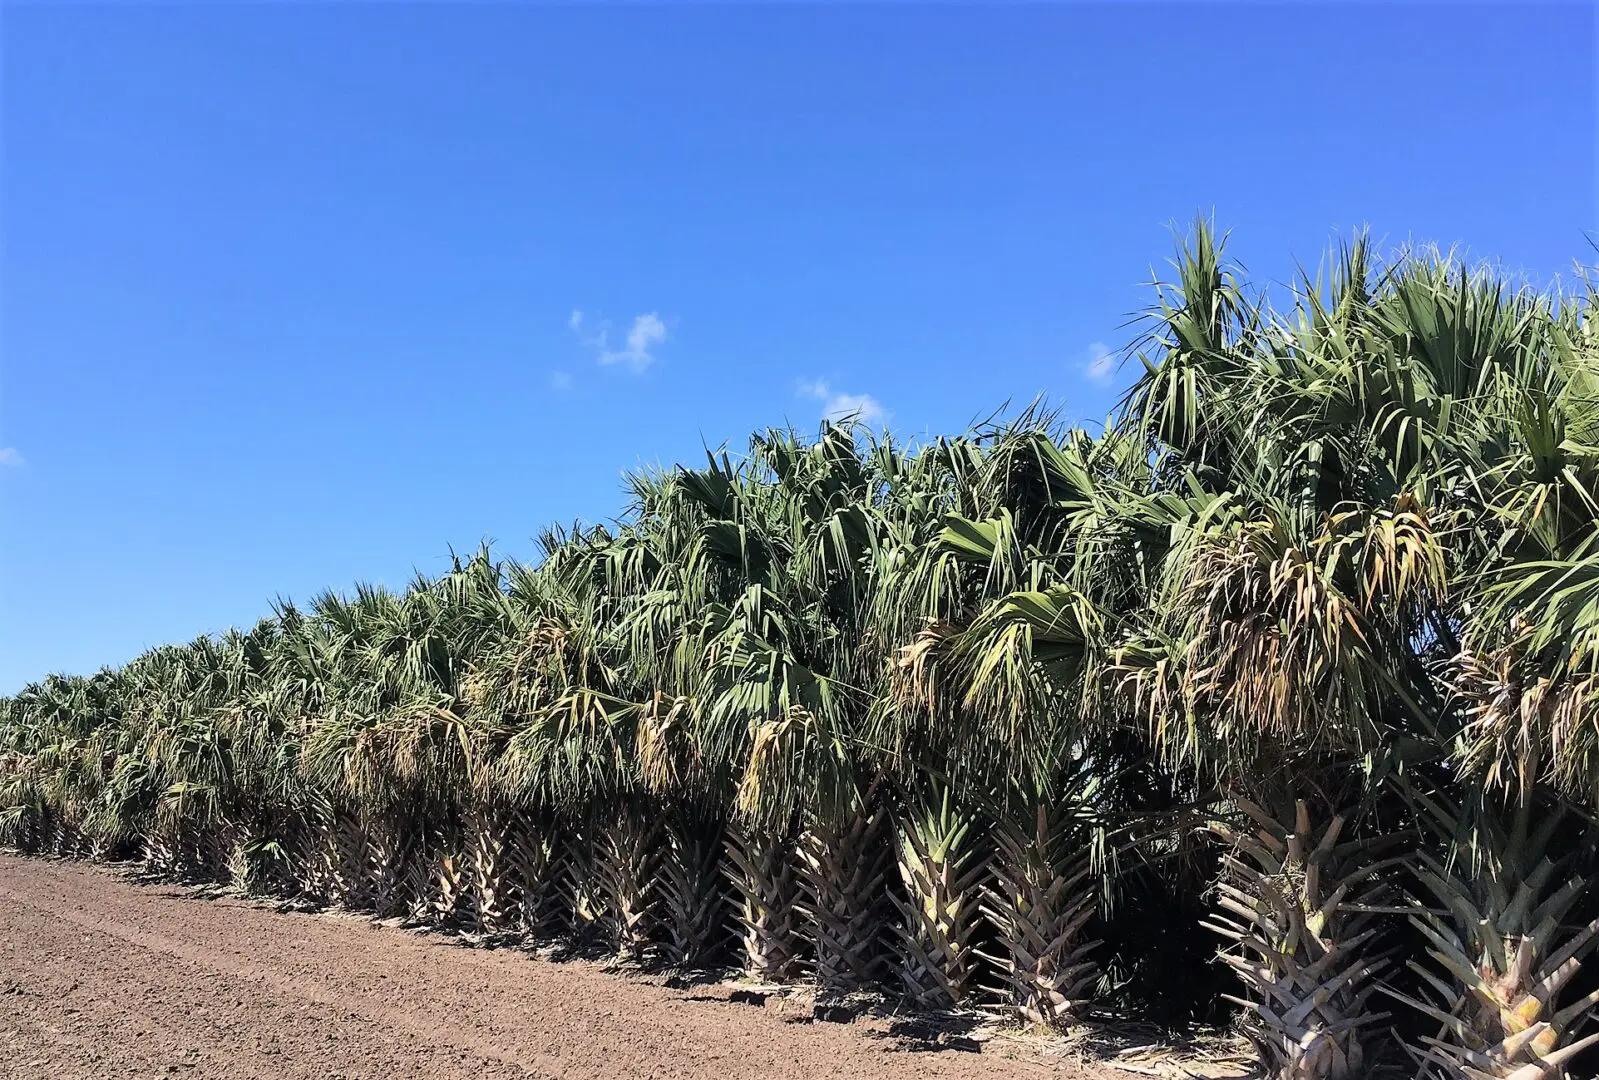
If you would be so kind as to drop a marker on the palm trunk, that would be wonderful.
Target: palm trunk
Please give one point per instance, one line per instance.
(943, 873)
(394, 851)
(1503, 952)
(580, 889)
(309, 861)
(448, 882)
(845, 867)
(627, 863)
(487, 867)
(215, 846)
(533, 868)
(692, 901)
(30, 832)
(761, 867)
(268, 849)
(242, 866)
(417, 888)
(347, 861)
(1294, 906)
(63, 837)
(1040, 903)
(161, 852)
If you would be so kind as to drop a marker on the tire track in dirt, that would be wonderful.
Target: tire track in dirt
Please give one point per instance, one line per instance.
(105, 1027)
(111, 979)
(399, 969)
(228, 966)
(208, 1014)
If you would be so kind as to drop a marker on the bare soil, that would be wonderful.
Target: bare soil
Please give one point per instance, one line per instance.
(104, 978)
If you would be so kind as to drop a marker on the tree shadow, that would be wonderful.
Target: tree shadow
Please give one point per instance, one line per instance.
(926, 1033)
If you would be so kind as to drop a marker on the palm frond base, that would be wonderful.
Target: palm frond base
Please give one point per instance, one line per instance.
(1041, 901)
(761, 867)
(943, 873)
(1291, 899)
(845, 870)
(693, 913)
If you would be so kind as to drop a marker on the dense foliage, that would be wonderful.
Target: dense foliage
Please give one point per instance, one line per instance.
(1304, 646)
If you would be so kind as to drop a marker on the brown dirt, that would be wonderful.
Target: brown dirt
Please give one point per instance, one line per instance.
(103, 978)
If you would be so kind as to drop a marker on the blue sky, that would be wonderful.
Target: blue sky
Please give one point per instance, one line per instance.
(295, 295)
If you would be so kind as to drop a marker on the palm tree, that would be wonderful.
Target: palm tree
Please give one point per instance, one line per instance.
(1303, 572)
(1496, 904)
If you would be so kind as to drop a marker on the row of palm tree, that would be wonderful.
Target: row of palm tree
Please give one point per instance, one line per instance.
(1309, 633)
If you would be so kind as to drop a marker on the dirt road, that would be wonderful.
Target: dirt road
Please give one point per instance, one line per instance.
(105, 979)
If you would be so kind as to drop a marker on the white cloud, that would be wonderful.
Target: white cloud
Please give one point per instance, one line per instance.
(646, 332)
(637, 352)
(837, 406)
(560, 380)
(1101, 364)
(10, 457)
